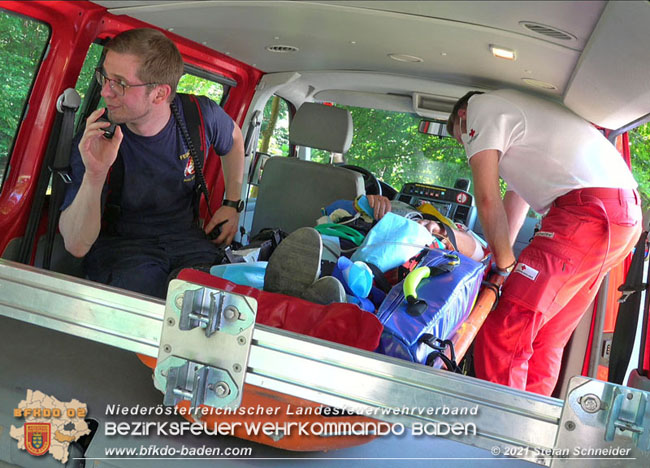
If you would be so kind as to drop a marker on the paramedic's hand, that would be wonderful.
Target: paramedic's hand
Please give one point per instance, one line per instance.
(379, 204)
(98, 153)
(227, 219)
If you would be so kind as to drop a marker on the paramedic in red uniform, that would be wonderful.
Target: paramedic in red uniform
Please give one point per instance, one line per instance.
(561, 166)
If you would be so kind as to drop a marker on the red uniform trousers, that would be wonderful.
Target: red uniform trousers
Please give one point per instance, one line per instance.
(585, 234)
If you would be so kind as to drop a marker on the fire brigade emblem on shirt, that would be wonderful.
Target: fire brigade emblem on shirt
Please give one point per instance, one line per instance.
(37, 438)
(189, 167)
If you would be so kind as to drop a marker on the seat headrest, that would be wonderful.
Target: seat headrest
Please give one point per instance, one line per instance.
(324, 127)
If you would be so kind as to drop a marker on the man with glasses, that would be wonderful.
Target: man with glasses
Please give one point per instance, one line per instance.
(155, 231)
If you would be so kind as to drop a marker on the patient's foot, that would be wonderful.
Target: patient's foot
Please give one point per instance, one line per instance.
(325, 291)
(295, 263)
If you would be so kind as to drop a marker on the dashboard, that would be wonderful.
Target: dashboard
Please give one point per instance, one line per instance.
(454, 203)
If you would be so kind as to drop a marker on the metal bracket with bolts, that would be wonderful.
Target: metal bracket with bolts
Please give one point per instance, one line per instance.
(608, 419)
(204, 346)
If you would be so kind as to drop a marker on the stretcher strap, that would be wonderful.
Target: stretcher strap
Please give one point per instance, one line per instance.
(439, 347)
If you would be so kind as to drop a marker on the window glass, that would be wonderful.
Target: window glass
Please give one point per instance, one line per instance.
(22, 43)
(640, 156)
(86, 79)
(274, 134)
(192, 84)
(389, 145)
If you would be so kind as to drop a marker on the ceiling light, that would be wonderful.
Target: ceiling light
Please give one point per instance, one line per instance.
(406, 58)
(502, 52)
(538, 83)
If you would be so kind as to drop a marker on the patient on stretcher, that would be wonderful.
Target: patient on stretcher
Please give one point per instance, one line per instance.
(466, 242)
(353, 245)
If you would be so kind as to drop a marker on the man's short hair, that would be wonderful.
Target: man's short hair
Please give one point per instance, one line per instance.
(460, 104)
(162, 63)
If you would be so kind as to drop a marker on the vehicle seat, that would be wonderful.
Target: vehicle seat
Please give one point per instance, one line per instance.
(292, 191)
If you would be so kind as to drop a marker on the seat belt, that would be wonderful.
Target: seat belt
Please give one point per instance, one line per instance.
(250, 147)
(193, 130)
(628, 314)
(67, 104)
(58, 164)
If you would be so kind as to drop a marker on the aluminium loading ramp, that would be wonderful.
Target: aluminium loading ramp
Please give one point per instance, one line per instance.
(595, 414)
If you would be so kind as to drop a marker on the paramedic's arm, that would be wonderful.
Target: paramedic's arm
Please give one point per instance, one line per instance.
(233, 174)
(516, 211)
(492, 213)
(81, 221)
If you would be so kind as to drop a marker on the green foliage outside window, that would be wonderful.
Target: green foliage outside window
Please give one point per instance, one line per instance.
(192, 84)
(640, 156)
(274, 133)
(389, 145)
(22, 42)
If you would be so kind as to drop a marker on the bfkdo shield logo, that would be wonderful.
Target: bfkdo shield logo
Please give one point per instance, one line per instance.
(49, 426)
(37, 438)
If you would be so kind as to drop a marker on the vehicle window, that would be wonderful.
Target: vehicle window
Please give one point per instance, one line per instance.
(22, 44)
(274, 134)
(192, 84)
(86, 79)
(640, 155)
(389, 145)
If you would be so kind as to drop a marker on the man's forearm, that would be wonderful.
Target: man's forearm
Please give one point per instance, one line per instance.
(80, 223)
(233, 167)
(492, 214)
(516, 211)
(495, 227)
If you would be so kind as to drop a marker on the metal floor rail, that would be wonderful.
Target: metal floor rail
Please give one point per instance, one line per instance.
(523, 424)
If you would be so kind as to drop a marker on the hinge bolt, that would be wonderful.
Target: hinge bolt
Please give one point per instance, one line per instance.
(590, 403)
(179, 300)
(221, 389)
(231, 313)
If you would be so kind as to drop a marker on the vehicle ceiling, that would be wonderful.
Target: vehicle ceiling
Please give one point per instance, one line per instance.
(582, 59)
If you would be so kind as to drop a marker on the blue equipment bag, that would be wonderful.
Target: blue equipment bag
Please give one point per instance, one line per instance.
(438, 299)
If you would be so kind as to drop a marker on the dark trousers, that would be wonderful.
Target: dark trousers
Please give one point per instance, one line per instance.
(144, 264)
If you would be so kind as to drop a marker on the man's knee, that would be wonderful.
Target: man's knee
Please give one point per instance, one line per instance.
(150, 280)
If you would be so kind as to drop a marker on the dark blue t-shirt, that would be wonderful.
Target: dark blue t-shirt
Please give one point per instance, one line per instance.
(159, 175)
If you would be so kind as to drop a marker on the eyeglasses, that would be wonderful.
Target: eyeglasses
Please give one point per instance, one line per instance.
(117, 86)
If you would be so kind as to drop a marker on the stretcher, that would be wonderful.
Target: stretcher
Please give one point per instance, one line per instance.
(524, 425)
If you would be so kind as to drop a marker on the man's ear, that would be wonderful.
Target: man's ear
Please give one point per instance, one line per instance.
(161, 93)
